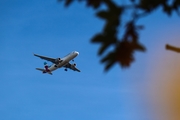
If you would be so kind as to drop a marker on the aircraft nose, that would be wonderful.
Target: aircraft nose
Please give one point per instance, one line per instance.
(77, 53)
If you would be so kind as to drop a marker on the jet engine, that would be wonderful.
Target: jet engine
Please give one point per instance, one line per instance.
(74, 64)
(58, 60)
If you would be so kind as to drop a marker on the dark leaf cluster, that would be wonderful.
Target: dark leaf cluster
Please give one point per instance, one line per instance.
(125, 48)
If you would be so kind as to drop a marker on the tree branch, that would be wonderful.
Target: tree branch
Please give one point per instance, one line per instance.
(172, 48)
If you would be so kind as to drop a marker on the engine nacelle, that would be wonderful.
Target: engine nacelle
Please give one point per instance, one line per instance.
(58, 60)
(74, 64)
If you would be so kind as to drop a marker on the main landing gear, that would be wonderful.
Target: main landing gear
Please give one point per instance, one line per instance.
(65, 69)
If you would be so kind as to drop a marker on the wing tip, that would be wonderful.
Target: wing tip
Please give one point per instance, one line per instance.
(35, 54)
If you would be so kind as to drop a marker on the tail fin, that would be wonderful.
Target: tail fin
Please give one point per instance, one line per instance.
(46, 66)
(40, 69)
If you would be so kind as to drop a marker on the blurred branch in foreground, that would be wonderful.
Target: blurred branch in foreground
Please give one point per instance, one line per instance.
(123, 35)
(170, 47)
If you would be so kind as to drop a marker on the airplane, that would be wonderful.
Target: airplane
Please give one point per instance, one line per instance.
(59, 63)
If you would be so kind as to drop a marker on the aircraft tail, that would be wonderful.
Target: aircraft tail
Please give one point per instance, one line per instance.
(44, 71)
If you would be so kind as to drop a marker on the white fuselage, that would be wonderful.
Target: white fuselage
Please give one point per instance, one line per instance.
(64, 62)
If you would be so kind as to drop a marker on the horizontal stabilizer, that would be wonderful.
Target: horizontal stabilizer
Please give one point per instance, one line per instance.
(40, 69)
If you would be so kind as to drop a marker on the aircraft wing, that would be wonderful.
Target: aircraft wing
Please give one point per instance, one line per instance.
(46, 58)
(72, 67)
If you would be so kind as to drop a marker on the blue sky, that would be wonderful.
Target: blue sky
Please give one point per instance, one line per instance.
(48, 28)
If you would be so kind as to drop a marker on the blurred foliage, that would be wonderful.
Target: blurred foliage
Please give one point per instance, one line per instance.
(128, 43)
